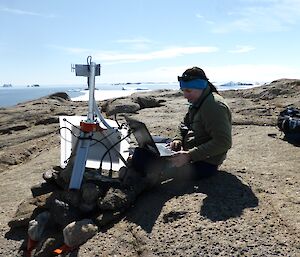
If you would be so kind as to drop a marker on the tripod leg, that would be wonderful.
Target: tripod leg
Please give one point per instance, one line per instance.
(79, 165)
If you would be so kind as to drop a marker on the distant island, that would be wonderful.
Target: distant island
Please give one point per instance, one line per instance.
(7, 85)
(126, 83)
(34, 85)
(139, 83)
(231, 83)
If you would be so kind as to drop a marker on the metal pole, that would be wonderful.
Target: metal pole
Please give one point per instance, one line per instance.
(91, 92)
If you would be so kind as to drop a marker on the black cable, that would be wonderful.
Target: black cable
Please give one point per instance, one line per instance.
(97, 141)
(116, 120)
(90, 138)
(93, 139)
(118, 142)
(72, 124)
(58, 131)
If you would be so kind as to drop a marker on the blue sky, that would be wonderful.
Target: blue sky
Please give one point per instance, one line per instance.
(154, 40)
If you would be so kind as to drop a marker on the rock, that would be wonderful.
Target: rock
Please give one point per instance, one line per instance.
(122, 105)
(9, 128)
(60, 95)
(21, 220)
(84, 207)
(71, 197)
(107, 217)
(60, 182)
(52, 176)
(146, 101)
(90, 193)
(116, 199)
(37, 226)
(49, 175)
(63, 213)
(27, 210)
(42, 188)
(77, 233)
(159, 212)
(64, 175)
(50, 241)
(46, 121)
(89, 196)
(173, 215)
(9, 160)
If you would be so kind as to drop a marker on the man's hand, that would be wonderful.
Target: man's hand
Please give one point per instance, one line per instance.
(180, 158)
(176, 145)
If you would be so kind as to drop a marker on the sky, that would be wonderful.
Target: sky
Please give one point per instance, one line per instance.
(148, 41)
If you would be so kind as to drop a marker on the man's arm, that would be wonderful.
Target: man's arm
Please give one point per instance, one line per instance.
(218, 125)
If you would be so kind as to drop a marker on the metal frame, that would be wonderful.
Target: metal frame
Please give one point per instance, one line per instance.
(91, 124)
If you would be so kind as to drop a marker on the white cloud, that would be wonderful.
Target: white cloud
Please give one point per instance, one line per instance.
(261, 16)
(200, 16)
(70, 50)
(242, 73)
(22, 12)
(242, 49)
(114, 57)
(166, 53)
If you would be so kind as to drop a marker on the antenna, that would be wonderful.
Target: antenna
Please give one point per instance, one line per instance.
(88, 126)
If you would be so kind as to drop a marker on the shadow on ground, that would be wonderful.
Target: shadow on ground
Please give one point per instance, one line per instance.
(226, 197)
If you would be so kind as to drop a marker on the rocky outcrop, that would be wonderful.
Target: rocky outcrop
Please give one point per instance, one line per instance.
(252, 203)
(281, 88)
(131, 104)
(77, 214)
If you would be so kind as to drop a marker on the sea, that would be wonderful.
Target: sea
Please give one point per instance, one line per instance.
(13, 95)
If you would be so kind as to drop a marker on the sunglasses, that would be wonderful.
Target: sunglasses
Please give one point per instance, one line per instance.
(187, 90)
(187, 78)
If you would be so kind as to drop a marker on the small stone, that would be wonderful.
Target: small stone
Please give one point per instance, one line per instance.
(48, 175)
(26, 210)
(84, 207)
(107, 217)
(77, 233)
(63, 213)
(116, 199)
(51, 240)
(43, 188)
(90, 193)
(37, 226)
(71, 197)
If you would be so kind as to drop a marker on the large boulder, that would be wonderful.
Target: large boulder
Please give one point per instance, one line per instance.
(146, 101)
(121, 105)
(60, 96)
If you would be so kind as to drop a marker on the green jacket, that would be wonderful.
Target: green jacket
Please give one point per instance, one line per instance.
(208, 137)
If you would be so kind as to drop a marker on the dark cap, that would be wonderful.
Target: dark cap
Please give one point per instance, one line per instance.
(195, 72)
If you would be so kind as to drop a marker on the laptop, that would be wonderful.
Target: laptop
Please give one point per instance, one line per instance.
(145, 140)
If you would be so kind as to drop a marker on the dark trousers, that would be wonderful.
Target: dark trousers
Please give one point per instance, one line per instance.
(192, 171)
(145, 162)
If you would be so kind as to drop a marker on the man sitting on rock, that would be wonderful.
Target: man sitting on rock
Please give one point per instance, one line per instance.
(203, 138)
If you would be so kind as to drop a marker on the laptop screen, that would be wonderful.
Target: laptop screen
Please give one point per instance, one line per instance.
(142, 135)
